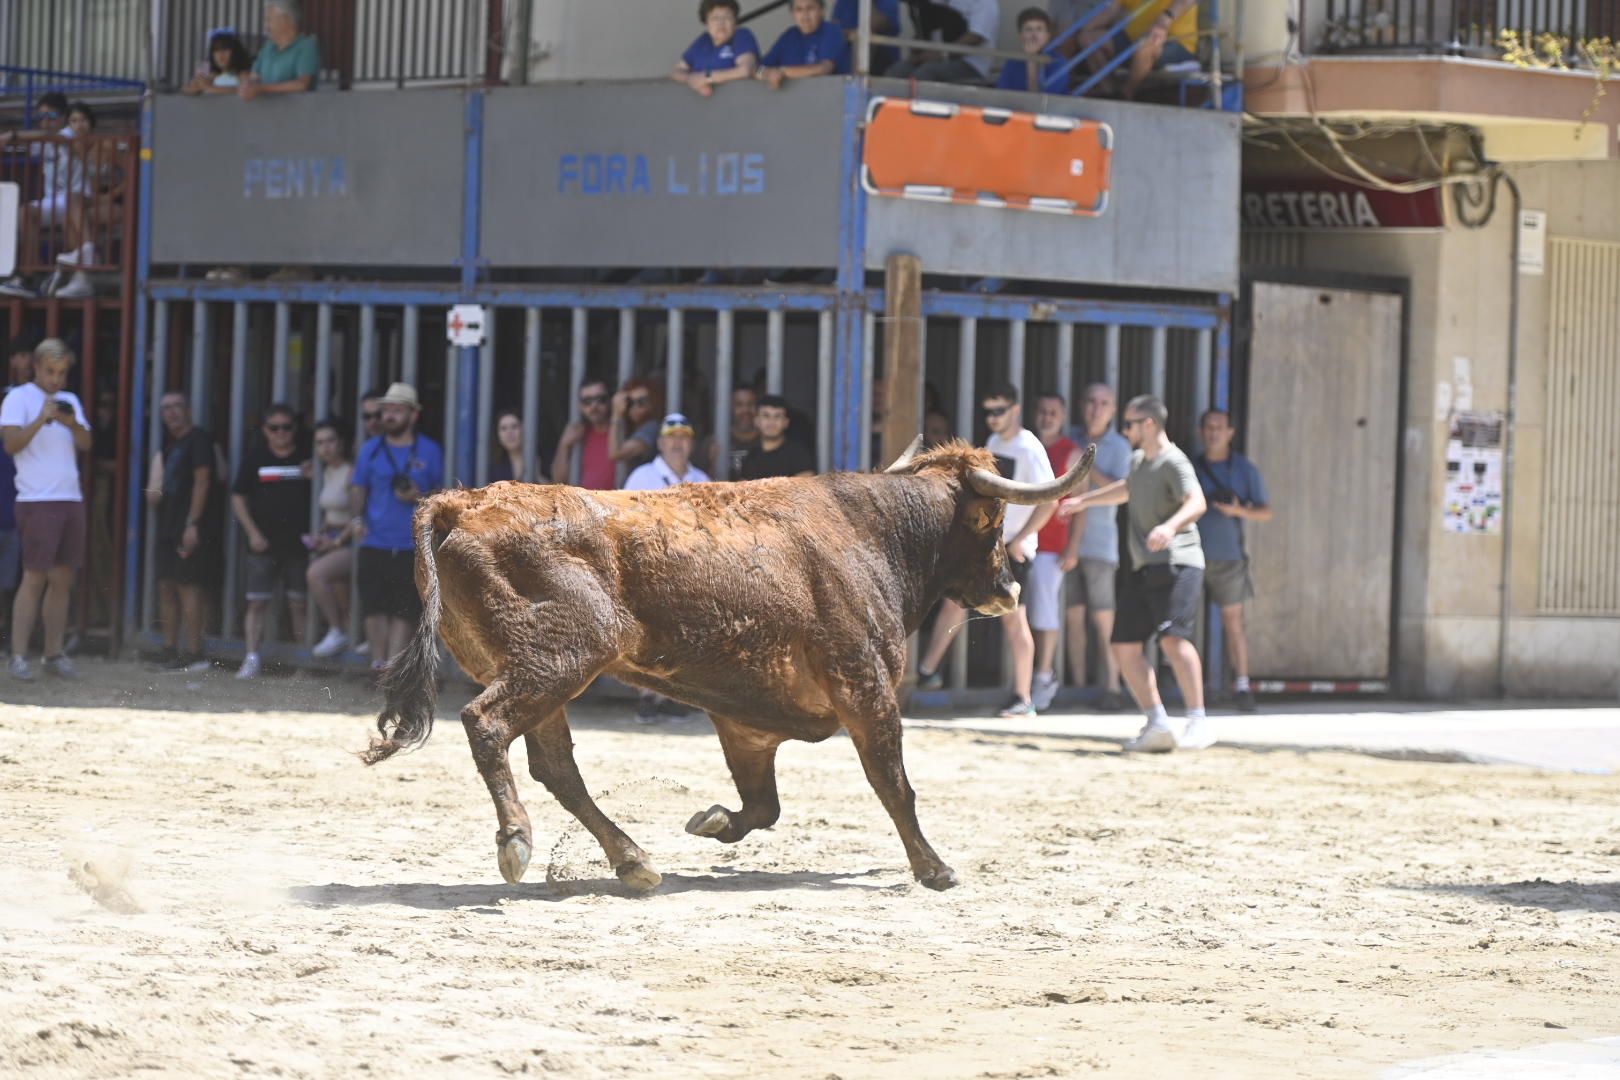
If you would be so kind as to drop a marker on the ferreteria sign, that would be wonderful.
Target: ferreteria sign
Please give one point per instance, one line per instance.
(1321, 203)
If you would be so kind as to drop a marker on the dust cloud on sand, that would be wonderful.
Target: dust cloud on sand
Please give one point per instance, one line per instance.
(206, 882)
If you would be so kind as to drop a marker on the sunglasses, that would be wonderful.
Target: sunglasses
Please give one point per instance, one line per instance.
(368, 417)
(1128, 423)
(998, 410)
(593, 399)
(640, 400)
(278, 427)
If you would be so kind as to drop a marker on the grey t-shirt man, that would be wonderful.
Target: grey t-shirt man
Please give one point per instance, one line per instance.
(1158, 486)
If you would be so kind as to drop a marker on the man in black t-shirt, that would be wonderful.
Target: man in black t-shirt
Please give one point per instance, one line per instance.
(271, 502)
(181, 488)
(776, 454)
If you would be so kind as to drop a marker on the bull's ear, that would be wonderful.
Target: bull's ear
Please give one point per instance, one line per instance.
(984, 515)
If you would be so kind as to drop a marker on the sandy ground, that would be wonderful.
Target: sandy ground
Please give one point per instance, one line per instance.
(1235, 913)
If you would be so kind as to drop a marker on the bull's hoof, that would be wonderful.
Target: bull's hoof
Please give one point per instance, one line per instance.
(939, 880)
(514, 855)
(639, 876)
(711, 822)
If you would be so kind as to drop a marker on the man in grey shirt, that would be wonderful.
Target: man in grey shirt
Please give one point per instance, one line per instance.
(1160, 592)
(1091, 584)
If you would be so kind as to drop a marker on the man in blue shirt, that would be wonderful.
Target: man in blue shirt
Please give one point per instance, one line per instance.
(1235, 493)
(812, 46)
(885, 20)
(391, 473)
(1034, 35)
(724, 52)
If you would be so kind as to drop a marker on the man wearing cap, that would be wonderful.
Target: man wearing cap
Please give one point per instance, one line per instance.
(673, 465)
(391, 472)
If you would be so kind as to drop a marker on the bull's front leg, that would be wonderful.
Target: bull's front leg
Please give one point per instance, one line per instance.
(751, 756)
(872, 718)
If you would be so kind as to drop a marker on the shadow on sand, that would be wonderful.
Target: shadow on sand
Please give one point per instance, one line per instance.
(1547, 895)
(441, 897)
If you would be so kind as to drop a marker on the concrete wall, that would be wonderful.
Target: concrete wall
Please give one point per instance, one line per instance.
(1450, 595)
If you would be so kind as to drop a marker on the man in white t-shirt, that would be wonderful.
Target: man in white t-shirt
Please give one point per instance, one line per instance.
(1021, 457)
(673, 465)
(45, 430)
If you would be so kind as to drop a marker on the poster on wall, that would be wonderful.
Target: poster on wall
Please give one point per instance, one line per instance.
(1473, 494)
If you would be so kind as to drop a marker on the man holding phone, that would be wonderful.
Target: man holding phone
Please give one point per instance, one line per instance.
(1235, 493)
(45, 431)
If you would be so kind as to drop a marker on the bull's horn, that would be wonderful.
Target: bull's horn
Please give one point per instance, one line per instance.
(904, 459)
(995, 486)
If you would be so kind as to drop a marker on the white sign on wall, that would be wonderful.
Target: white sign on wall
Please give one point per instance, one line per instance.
(465, 326)
(9, 195)
(1532, 241)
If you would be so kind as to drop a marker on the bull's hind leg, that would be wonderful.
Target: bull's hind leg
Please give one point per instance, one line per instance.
(492, 720)
(751, 756)
(551, 761)
(872, 719)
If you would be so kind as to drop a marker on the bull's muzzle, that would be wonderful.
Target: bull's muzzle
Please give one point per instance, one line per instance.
(1002, 604)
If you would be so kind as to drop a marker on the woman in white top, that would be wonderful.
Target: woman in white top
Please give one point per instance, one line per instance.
(328, 573)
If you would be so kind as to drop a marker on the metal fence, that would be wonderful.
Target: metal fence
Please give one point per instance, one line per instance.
(1458, 27)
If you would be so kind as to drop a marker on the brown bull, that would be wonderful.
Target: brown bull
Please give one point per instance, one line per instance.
(781, 607)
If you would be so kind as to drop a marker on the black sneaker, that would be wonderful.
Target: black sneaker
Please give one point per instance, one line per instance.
(1111, 701)
(932, 681)
(671, 707)
(164, 660)
(647, 710)
(1244, 700)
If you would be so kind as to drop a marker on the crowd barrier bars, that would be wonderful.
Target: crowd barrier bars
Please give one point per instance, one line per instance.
(724, 365)
(824, 390)
(775, 323)
(531, 392)
(578, 357)
(674, 361)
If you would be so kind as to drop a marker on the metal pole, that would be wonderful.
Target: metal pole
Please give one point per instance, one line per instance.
(868, 366)
(1017, 339)
(720, 467)
(863, 38)
(1160, 362)
(825, 335)
(484, 423)
(278, 359)
(673, 360)
(578, 342)
(154, 441)
(199, 362)
(967, 359)
(531, 395)
(1111, 357)
(1204, 366)
(323, 394)
(452, 386)
(775, 323)
(368, 339)
(1065, 365)
(627, 368)
(410, 350)
(237, 435)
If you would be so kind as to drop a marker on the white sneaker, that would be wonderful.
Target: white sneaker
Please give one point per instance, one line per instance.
(20, 669)
(332, 644)
(1200, 735)
(1154, 738)
(1043, 690)
(62, 667)
(83, 256)
(250, 667)
(199, 665)
(363, 649)
(77, 288)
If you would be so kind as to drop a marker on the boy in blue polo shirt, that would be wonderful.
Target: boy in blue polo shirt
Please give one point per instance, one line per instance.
(1034, 35)
(812, 46)
(722, 53)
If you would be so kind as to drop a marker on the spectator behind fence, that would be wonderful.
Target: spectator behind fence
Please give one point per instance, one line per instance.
(329, 570)
(44, 430)
(1235, 493)
(1091, 584)
(289, 61)
(936, 429)
(1034, 35)
(776, 454)
(811, 47)
(20, 368)
(271, 502)
(633, 433)
(185, 559)
(1021, 457)
(370, 418)
(723, 53)
(1159, 595)
(885, 20)
(227, 65)
(673, 465)
(744, 433)
(1168, 30)
(592, 436)
(506, 463)
(1057, 551)
(68, 178)
(959, 22)
(392, 472)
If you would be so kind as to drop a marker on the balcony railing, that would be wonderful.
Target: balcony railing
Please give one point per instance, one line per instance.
(1451, 27)
(74, 191)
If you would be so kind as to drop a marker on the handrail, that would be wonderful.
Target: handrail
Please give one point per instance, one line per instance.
(967, 50)
(39, 81)
(763, 9)
(91, 202)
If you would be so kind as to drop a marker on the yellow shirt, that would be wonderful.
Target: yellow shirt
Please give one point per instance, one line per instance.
(1184, 29)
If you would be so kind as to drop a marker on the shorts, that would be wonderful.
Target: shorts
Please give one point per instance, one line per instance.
(10, 558)
(266, 571)
(1020, 574)
(388, 584)
(1228, 581)
(198, 568)
(1091, 585)
(1045, 589)
(52, 535)
(52, 208)
(1158, 599)
(1175, 53)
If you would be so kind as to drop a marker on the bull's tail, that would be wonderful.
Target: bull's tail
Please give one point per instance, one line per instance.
(409, 685)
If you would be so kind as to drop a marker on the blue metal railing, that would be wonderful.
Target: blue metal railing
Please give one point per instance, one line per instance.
(33, 83)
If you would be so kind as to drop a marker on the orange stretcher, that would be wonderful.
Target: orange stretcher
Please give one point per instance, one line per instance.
(942, 152)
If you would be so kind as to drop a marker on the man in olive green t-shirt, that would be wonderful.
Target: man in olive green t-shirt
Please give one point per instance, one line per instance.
(1159, 592)
(288, 61)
